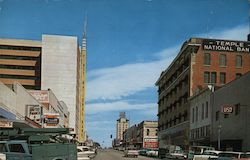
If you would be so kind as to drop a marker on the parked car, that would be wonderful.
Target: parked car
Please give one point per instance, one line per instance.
(245, 156)
(152, 153)
(131, 153)
(207, 155)
(227, 155)
(198, 150)
(143, 152)
(85, 152)
(178, 154)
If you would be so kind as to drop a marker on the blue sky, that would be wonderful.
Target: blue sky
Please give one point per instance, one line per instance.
(129, 43)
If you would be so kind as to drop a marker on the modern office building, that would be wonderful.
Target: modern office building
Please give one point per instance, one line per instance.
(121, 126)
(53, 63)
(61, 72)
(20, 60)
(199, 63)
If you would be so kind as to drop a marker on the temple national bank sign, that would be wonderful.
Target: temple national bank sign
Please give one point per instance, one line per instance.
(227, 46)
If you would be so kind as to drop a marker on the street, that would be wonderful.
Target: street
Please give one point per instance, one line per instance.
(110, 154)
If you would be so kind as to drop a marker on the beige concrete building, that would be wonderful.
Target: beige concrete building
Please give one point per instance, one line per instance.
(121, 126)
(55, 112)
(20, 60)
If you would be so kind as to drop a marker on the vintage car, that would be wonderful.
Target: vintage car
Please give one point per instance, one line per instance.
(131, 153)
(85, 153)
(207, 155)
(228, 155)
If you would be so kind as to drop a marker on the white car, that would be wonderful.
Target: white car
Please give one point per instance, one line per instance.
(131, 153)
(208, 154)
(2, 156)
(152, 153)
(85, 153)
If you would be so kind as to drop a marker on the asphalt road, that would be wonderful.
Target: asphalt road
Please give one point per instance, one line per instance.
(110, 154)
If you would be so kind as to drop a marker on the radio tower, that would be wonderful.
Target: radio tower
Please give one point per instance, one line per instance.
(248, 36)
(82, 132)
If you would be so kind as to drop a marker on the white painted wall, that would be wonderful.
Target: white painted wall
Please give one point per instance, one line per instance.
(59, 70)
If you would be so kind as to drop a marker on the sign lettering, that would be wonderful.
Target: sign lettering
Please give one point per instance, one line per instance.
(227, 46)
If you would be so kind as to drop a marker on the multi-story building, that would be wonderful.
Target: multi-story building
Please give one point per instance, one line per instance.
(200, 62)
(121, 126)
(230, 115)
(53, 63)
(147, 136)
(20, 60)
(200, 117)
(53, 111)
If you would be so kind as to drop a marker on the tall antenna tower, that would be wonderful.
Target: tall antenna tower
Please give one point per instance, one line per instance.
(248, 36)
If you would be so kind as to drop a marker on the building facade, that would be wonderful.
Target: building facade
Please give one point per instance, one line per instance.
(199, 63)
(55, 113)
(121, 125)
(200, 117)
(20, 60)
(230, 115)
(147, 135)
(61, 72)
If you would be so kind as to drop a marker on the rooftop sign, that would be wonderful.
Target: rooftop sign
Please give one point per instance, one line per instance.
(226, 46)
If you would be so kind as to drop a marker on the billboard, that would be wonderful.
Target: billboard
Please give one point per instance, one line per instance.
(40, 96)
(227, 109)
(150, 143)
(5, 124)
(51, 119)
(34, 112)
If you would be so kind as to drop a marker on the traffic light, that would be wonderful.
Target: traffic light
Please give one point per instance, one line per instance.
(111, 136)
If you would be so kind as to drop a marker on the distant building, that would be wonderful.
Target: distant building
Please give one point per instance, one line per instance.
(147, 136)
(20, 60)
(121, 126)
(200, 62)
(142, 135)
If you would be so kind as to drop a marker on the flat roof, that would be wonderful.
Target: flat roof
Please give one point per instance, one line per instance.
(20, 42)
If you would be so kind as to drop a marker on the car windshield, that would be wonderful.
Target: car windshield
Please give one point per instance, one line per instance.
(210, 153)
(245, 156)
(235, 155)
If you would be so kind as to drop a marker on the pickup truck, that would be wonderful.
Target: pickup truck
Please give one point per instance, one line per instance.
(20, 150)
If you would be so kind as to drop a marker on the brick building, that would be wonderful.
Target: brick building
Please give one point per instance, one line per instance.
(200, 62)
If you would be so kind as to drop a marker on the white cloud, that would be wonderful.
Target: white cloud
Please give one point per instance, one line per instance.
(117, 82)
(94, 108)
(237, 33)
(121, 81)
(98, 125)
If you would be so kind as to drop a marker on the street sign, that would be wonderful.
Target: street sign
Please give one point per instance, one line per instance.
(227, 109)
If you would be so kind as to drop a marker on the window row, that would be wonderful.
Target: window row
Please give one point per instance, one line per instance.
(176, 120)
(222, 60)
(200, 132)
(211, 77)
(198, 114)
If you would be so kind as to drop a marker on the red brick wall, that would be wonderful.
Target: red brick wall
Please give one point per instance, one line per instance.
(198, 67)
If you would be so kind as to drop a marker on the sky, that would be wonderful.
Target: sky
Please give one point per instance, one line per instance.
(129, 43)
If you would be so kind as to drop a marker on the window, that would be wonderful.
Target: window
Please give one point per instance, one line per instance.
(217, 115)
(206, 77)
(203, 109)
(222, 78)
(213, 77)
(207, 58)
(147, 132)
(226, 115)
(223, 60)
(238, 75)
(238, 61)
(16, 148)
(196, 113)
(193, 116)
(237, 109)
(206, 109)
